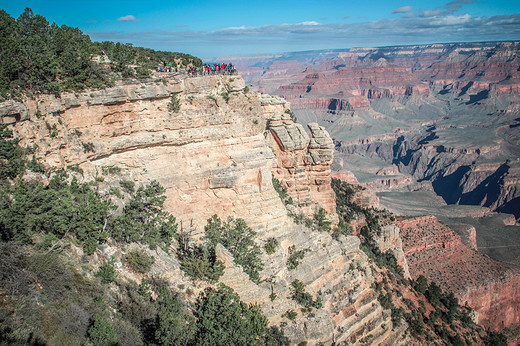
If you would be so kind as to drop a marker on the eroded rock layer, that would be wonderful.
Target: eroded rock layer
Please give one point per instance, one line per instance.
(303, 162)
(437, 252)
(204, 139)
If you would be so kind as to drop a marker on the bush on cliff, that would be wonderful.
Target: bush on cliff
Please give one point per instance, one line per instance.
(302, 297)
(320, 221)
(139, 261)
(223, 319)
(495, 339)
(59, 208)
(174, 105)
(200, 264)
(282, 191)
(238, 238)
(175, 325)
(144, 220)
(12, 161)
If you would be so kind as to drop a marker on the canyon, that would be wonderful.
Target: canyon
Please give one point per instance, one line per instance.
(433, 130)
(216, 155)
(221, 150)
(442, 115)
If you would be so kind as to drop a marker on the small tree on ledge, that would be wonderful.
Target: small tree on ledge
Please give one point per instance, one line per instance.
(174, 105)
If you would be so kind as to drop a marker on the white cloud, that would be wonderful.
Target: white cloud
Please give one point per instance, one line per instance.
(127, 18)
(91, 21)
(312, 22)
(302, 36)
(403, 9)
(452, 20)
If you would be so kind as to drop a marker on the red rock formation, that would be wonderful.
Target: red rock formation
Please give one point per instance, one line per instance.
(303, 163)
(359, 85)
(437, 252)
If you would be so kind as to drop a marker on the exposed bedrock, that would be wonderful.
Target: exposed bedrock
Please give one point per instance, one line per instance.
(215, 156)
(437, 252)
(303, 162)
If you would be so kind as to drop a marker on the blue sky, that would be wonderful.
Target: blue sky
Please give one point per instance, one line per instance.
(230, 27)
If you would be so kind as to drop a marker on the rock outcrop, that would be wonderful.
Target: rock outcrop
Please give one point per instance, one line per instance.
(303, 162)
(437, 252)
(214, 156)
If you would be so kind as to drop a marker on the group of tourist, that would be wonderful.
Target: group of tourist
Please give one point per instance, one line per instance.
(206, 70)
(169, 68)
(219, 69)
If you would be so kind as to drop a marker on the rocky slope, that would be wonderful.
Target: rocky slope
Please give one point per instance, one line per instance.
(421, 122)
(445, 114)
(214, 156)
(437, 252)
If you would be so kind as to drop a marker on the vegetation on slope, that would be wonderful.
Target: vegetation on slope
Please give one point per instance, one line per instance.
(430, 313)
(39, 57)
(51, 296)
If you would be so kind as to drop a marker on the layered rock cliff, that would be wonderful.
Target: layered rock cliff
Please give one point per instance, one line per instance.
(442, 113)
(303, 162)
(437, 252)
(204, 139)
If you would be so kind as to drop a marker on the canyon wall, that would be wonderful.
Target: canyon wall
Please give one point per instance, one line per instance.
(446, 114)
(214, 155)
(303, 163)
(452, 122)
(437, 252)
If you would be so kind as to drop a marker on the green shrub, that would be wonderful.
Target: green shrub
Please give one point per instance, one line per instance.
(302, 297)
(238, 238)
(223, 319)
(270, 246)
(174, 325)
(111, 170)
(385, 300)
(282, 191)
(139, 261)
(142, 73)
(421, 284)
(75, 168)
(107, 272)
(495, 339)
(290, 314)
(397, 316)
(137, 307)
(197, 261)
(293, 116)
(12, 161)
(174, 105)
(199, 265)
(225, 95)
(295, 256)
(88, 147)
(144, 220)
(102, 332)
(274, 336)
(35, 165)
(320, 221)
(60, 208)
(128, 334)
